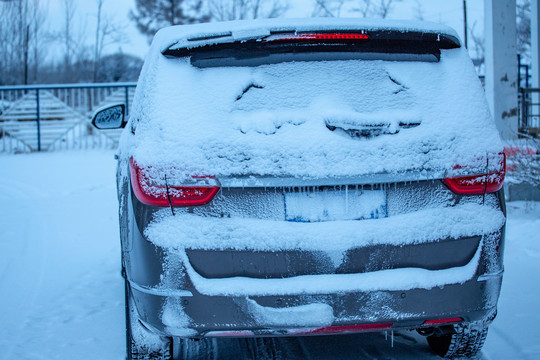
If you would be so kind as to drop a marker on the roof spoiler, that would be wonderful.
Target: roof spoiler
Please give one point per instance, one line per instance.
(226, 40)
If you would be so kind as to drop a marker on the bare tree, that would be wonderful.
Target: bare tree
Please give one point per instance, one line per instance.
(119, 67)
(523, 26)
(367, 8)
(69, 13)
(152, 15)
(523, 23)
(478, 43)
(383, 8)
(223, 10)
(78, 59)
(98, 45)
(364, 8)
(329, 8)
(25, 41)
(37, 38)
(7, 50)
(108, 32)
(419, 11)
(19, 31)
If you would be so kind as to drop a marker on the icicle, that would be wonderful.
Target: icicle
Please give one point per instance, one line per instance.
(392, 338)
(386, 336)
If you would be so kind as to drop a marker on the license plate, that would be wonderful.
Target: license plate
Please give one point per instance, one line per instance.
(331, 205)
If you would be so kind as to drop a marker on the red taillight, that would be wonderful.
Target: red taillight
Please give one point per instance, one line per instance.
(479, 184)
(443, 321)
(158, 192)
(318, 36)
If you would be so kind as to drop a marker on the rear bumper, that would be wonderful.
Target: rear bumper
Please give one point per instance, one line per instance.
(196, 315)
(175, 298)
(184, 304)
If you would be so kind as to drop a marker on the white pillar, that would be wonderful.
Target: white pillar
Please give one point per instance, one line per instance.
(501, 64)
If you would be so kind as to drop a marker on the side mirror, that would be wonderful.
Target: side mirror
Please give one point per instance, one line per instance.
(110, 117)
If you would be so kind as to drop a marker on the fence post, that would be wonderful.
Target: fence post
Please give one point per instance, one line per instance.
(524, 96)
(519, 71)
(38, 122)
(127, 99)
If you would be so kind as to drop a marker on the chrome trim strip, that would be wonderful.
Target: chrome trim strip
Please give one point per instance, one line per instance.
(268, 181)
(490, 276)
(159, 292)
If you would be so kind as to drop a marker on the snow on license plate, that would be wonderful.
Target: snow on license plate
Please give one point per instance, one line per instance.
(330, 205)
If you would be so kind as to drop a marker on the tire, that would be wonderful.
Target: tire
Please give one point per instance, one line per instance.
(195, 349)
(464, 341)
(161, 348)
(263, 348)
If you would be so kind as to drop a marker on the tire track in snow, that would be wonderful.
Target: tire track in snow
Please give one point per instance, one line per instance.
(29, 276)
(501, 334)
(15, 190)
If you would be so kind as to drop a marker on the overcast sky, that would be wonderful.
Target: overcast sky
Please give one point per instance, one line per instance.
(449, 12)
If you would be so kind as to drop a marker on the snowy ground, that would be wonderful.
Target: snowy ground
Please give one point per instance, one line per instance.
(62, 294)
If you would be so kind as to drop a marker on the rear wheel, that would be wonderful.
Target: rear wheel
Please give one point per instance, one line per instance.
(141, 344)
(463, 340)
(195, 349)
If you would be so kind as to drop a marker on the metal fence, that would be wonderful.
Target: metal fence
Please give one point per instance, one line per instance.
(529, 112)
(52, 117)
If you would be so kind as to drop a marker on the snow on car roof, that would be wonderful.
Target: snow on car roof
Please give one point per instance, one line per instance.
(211, 33)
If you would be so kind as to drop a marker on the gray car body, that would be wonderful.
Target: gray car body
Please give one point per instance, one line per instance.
(473, 300)
(169, 303)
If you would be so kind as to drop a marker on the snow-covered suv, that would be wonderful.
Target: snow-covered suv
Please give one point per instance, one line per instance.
(308, 177)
